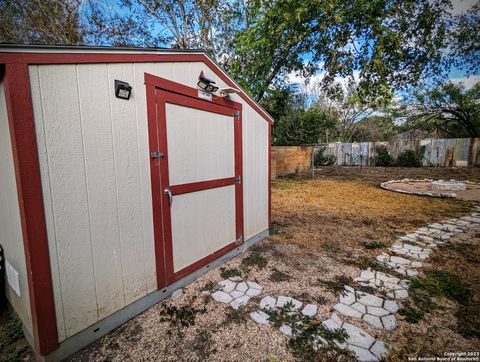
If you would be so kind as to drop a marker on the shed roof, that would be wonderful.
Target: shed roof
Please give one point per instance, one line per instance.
(33, 50)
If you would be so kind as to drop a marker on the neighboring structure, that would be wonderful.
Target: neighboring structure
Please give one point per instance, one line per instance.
(107, 205)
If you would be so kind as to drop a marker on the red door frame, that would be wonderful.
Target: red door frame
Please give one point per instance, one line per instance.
(161, 91)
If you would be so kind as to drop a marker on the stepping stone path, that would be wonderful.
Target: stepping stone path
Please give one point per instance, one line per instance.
(399, 264)
(363, 345)
(411, 251)
(236, 292)
(376, 311)
(394, 287)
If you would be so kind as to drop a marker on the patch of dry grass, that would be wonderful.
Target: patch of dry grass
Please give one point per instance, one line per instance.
(340, 217)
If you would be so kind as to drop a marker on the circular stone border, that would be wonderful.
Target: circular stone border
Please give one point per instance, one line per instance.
(385, 185)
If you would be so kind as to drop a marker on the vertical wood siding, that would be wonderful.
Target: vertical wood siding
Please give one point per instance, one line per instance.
(11, 237)
(94, 160)
(200, 145)
(210, 215)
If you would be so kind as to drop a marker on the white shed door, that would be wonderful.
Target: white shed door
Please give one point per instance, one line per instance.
(199, 189)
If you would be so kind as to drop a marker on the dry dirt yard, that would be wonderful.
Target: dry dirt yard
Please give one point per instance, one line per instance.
(325, 232)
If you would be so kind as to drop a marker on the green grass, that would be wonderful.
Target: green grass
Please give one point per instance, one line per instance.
(438, 283)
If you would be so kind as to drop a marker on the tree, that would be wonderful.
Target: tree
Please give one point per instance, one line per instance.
(300, 127)
(390, 43)
(375, 128)
(349, 107)
(42, 22)
(449, 108)
(465, 40)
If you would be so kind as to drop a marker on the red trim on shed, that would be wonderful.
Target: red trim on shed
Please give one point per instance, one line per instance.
(174, 93)
(67, 58)
(201, 185)
(30, 200)
(269, 175)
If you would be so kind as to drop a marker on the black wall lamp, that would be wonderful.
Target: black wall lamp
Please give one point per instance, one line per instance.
(122, 90)
(206, 84)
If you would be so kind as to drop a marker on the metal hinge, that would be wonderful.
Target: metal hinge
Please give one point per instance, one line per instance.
(238, 180)
(236, 115)
(239, 241)
(157, 155)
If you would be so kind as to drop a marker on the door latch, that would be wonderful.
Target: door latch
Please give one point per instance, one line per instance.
(157, 155)
(168, 192)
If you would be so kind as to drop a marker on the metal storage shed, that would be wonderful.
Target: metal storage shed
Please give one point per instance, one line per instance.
(107, 205)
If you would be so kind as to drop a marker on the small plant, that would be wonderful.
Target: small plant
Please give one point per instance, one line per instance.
(255, 259)
(409, 158)
(210, 287)
(382, 157)
(320, 159)
(278, 276)
(307, 332)
(230, 273)
(337, 285)
(373, 245)
(236, 316)
(179, 318)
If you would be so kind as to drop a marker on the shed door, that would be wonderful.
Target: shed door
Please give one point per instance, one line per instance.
(199, 181)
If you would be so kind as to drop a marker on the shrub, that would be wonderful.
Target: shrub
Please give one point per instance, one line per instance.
(320, 160)
(382, 157)
(409, 158)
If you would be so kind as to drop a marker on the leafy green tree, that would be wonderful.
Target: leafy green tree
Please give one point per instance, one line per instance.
(450, 109)
(300, 127)
(390, 43)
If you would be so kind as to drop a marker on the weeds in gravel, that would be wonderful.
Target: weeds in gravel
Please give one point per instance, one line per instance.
(255, 259)
(278, 276)
(373, 245)
(235, 316)
(10, 333)
(210, 287)
(229, 273)
(178, 318)
(203, 344)
(310, 339)
(365, 263)
(337, 285)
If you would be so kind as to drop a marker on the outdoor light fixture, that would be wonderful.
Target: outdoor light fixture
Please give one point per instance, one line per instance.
(122, 90)
(225, 92)
(206, 84)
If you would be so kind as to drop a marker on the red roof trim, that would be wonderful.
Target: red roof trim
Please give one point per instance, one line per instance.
(69, 58)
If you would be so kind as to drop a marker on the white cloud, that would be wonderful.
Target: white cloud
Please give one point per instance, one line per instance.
(468, 82)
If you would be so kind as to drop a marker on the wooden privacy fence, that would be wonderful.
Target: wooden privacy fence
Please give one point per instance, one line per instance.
(290, 159)
(456, 152)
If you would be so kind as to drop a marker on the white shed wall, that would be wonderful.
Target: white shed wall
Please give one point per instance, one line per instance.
(95, 167)
(11, 237)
